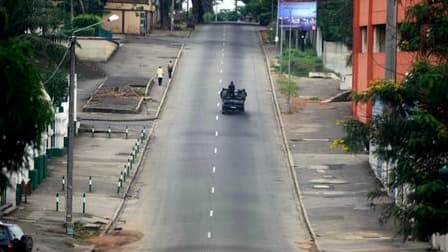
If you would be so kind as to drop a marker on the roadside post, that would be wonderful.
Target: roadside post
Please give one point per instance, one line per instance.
(83, 203)
(118, 186)
(57, 202)
(127, 132)
(90, 184)
(109, 131)
(93, 131)
(63, 183)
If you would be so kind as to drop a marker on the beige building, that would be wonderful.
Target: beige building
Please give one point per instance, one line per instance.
(136, 16)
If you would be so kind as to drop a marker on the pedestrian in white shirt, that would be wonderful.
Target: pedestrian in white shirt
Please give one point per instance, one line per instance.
(159, 74)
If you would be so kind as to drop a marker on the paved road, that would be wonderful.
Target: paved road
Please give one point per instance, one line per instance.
(215, 182)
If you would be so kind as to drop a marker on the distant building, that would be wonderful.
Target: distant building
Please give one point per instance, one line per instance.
(369, 41)
(136, 16)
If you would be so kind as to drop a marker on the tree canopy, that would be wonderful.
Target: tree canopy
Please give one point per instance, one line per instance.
(335, 18)
(411, 133)
(27, 109)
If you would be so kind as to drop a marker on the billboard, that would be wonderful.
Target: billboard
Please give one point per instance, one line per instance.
(299, 14)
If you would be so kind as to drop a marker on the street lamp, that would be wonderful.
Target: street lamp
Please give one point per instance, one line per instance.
(71, 125)
(276, 22)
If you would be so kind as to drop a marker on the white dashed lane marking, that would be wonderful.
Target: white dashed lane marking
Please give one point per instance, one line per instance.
(216, 133)
(212, 190)
(209, 235)
(215, 150)
(217, 118)
(211, 213)
(214, 169)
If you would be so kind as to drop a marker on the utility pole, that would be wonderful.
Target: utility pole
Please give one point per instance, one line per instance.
(391, 50)
(289, 62)
(391, 40)
(72, 15)
(188, 7)
(71, 139)
(172, 16)
(281, 45)
(236, 5)
(72, 127)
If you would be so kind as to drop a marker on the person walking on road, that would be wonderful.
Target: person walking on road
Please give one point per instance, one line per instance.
(170, 69)
(159, 74)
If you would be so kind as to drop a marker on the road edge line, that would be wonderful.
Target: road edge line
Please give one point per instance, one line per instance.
(119, 209)
(286, 146)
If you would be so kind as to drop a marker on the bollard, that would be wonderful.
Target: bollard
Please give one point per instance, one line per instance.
(90, 184)
(127, 132)
(129, 164)
(109, 131)
(118, 186)
(93, 131)
(83, 203)
(138, 146)
(141, 137)
(144, 130)
(125, 175)
(122, 178)
(57, 202)
(63, 183)
(127, 169)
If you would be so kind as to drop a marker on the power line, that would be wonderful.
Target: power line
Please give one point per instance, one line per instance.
(59, 64)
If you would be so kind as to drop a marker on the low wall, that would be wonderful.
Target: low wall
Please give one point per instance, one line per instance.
(440, 242)
(95, 49)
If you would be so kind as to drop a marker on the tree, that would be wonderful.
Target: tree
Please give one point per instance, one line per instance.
(412, 132)
(264, 11)
(334, 18)
(27, 111)
(200, 7)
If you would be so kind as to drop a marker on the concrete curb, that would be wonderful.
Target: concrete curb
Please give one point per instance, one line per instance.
(286, 147)
(147, 140)
(162, 102)
(128, 187)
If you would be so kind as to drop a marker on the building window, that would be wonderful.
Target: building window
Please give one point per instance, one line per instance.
(364, 39)
(379, 38)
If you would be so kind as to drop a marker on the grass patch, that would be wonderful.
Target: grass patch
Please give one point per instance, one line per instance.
(285, 88)
(301, 62)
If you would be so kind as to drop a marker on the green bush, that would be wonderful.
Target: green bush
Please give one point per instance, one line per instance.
(84, 20)
(302, 62)
(209, 17)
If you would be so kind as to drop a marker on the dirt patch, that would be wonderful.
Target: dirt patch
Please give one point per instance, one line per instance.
(89, 70)
(113, 241)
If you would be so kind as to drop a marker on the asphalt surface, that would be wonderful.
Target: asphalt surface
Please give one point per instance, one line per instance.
(213, 182)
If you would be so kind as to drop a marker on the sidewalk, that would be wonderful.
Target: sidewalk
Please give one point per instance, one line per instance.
(102, 157)
(334, 185)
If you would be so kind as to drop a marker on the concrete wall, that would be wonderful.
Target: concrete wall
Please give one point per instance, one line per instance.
(334, 56)
(95, 49)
